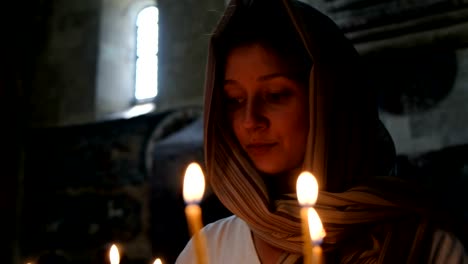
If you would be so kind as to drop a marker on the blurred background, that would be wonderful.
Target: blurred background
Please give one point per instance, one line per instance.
(102, 104)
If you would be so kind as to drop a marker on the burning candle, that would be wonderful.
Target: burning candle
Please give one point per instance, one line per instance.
(317, 233)
(194, 187)
(157, 261)
(307, 192)
(114, 255)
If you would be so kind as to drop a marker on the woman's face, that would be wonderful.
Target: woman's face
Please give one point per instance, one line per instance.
(267, 106)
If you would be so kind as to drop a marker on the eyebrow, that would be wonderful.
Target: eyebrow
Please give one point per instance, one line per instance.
(287, 75)
(275, 75)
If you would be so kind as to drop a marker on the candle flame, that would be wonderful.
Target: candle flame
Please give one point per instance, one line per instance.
(194, 184)
(307, 189)
(114, 255)
(157, 261)
(317, 233)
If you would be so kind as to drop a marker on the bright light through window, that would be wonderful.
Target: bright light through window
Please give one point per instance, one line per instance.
(146, 78)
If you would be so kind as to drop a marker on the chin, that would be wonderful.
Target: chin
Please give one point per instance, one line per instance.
(269, 168)
(277, 168)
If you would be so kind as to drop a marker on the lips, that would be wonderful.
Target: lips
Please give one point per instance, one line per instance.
(259, 148)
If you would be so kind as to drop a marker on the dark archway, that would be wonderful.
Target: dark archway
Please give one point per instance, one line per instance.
(412, 80)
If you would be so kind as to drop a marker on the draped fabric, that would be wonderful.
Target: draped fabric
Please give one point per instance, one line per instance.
(347, 145)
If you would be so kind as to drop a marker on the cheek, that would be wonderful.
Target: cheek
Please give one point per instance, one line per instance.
(297, 129)
(235, 125)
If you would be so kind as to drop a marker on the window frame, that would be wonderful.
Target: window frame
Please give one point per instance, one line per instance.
(135, 100)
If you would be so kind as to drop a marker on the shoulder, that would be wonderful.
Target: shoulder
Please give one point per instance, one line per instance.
(225, 226)
(225, 238)
(447, 248)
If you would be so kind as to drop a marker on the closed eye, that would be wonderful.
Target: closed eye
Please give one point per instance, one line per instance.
(233, 101)
(277, 97)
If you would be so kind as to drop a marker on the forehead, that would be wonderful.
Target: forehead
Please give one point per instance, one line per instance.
(256, 63)
(254, 59)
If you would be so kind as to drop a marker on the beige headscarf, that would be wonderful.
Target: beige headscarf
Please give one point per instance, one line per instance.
(345, 143)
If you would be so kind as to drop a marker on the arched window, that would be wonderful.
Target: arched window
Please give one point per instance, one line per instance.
(146, 75)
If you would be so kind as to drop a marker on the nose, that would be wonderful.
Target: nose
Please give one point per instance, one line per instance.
(254, 117)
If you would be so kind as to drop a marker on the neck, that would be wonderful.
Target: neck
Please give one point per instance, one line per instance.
(265, 252)
(283, 183)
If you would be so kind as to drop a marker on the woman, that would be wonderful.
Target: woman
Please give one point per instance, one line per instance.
(284, 93)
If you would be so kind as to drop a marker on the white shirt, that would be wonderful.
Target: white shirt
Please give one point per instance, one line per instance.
(229, 241)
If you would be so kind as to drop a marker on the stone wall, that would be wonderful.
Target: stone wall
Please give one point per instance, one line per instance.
(185, 30)
(85, 179)
(85, 188)
(115, 77)
(357, 15)
(416, 55)
(85, 68)
(119, 181)
(427, 109)
(63, 90)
